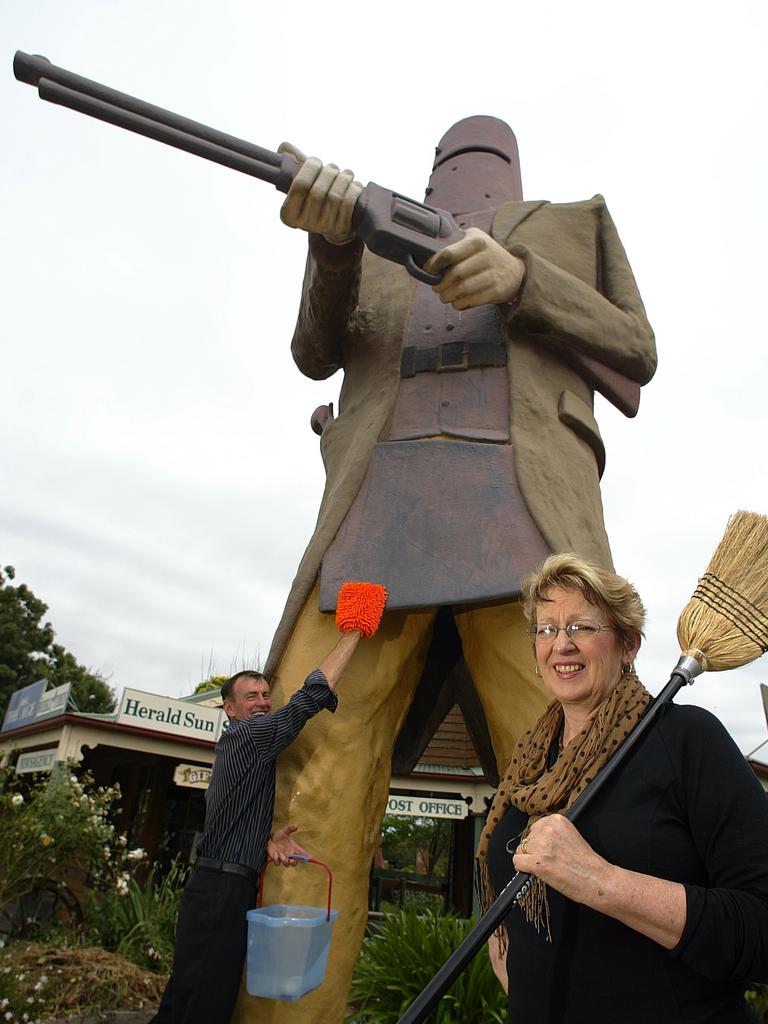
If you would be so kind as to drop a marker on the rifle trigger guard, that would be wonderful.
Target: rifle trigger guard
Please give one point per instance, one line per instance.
(421, 275)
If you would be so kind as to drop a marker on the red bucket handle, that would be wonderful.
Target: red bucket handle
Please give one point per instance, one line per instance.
(307, 860)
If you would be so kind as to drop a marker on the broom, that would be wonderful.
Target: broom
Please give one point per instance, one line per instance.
(723, 626)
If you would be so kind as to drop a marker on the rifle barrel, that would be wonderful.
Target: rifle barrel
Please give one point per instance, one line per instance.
(400, 240)
(56, 85)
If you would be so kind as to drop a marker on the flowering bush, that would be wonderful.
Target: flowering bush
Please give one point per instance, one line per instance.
(58, 837)
(55, 828)
(138, 921)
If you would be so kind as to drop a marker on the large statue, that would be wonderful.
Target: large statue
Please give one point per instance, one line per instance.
(465, 451)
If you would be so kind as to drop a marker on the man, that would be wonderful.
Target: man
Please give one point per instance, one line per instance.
(211, 932)
(465, 451)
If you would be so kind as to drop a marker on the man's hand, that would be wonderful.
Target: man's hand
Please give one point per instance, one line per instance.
(321, 198)
(477, 271)
(360, 606)
(281, 846)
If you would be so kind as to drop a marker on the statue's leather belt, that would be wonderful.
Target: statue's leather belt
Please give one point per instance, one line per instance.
(453, 355)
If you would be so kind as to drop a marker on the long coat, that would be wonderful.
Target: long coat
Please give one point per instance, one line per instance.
(579, 295)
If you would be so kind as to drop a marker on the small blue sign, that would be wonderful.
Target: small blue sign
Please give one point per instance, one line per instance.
(22, 706)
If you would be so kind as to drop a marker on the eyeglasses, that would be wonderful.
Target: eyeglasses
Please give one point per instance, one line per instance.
(582, 629)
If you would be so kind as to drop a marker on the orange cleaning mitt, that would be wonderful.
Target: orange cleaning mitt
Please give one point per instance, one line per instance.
(360, 606)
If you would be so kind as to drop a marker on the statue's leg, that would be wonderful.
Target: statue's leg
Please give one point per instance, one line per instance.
(499, 656)
(333, 783)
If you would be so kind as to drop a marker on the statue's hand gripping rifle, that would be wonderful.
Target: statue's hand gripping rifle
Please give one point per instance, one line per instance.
(391, 225)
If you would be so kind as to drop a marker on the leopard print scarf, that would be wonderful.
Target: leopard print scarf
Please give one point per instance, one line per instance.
(537, 790)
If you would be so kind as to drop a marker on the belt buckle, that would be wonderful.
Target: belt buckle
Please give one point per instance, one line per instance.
(442, 366)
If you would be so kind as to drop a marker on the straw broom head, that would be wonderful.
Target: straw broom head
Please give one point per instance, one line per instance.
(725, 624)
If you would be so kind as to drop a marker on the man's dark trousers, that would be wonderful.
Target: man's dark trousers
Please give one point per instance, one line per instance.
(211, 943)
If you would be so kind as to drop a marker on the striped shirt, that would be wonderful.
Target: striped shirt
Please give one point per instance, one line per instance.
(240, 799)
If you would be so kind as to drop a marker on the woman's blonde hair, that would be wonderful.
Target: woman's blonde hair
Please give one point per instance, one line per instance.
(615, 595)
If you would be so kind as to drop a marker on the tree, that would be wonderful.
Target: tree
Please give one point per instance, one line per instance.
(211, 683)
(90, 691)
(406, 840)
(28, 651)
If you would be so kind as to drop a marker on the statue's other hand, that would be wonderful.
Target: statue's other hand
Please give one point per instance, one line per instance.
(321, 198)
(477, 271)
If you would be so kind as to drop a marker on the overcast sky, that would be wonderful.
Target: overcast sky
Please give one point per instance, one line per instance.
(159, 477)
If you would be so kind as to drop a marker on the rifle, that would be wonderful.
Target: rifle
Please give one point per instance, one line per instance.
(389, 224)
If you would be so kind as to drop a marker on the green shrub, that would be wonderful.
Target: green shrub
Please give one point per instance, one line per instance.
(757, 997)
(140, 924)
(55, 829)
(404, 954)
(421, 902)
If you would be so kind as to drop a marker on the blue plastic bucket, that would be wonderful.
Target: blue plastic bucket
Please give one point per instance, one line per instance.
(288, 948)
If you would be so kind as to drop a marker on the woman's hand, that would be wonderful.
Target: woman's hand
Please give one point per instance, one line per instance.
(477, 271)
(556, 853)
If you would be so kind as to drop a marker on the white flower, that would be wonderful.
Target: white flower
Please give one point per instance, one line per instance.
(20, 977)
(17, 799)
(8, 1015)
(4, 1002)
(121, 886)
(137, 854)
(122, 840)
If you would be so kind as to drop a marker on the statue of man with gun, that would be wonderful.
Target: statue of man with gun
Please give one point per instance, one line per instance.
(465, 450)
(473, 331)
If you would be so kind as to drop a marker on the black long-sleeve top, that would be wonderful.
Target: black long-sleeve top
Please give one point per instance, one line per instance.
(685, 807)
(240, 800)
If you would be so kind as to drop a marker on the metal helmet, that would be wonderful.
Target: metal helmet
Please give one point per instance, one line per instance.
(477, 167)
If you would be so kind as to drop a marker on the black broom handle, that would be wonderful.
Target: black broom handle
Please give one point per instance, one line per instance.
(685, 671)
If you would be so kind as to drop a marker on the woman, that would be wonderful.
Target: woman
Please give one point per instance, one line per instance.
(655, 907)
